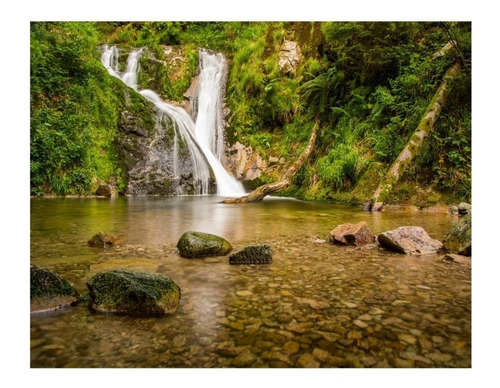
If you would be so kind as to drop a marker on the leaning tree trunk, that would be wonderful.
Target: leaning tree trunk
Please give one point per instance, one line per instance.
(415, 143)
(260, 192)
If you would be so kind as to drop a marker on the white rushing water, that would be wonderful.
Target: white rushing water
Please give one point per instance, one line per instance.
(209, 129)
(204, 140)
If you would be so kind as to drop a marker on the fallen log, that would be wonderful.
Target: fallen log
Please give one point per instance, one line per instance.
(414, 145)
(262, 191)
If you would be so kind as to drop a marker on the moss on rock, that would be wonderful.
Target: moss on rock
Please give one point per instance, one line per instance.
(199, 244)
(49, 291)
(253, 254)
(133, 293)
(459, 239)
(102, 240)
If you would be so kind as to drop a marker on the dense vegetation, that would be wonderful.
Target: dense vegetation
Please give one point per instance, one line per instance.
(73, 111)
(369, 84)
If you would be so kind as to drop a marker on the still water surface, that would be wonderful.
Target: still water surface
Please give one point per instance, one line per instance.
(316, 305)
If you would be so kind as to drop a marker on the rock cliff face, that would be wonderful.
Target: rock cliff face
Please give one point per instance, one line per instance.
(146, 145)
(244, 163)
(290, 56)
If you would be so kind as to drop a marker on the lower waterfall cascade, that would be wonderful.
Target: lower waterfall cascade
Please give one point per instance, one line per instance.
(203, 138)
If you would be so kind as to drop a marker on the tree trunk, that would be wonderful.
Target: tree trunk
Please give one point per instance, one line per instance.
(260, 192)
(415, 143)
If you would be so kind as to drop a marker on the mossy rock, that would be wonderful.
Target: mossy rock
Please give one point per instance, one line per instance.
(459, 238)
(49, 291)
(253, 254)
(199, 244)
(102, 240)
(133, 293)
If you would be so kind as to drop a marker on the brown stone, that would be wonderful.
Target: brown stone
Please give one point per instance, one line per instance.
(291, 347)
(102, 240)
(351, 234)
(307, 361)
(452, 258)
(105, 190)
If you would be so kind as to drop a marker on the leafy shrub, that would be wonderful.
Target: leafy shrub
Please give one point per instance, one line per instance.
(340, 168)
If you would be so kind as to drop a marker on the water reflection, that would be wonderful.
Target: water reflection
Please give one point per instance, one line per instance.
(315, 305)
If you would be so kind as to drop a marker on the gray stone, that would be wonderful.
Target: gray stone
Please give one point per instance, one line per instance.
(133, 293)
(199, 244)
(253, 254)
(410, 240)
(289, 56)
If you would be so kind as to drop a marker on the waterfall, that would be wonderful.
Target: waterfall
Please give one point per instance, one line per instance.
(196, 137)
(184, 127)
(209, 129)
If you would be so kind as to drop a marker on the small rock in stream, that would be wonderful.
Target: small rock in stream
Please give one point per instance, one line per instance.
(252, 254)
(102, 240)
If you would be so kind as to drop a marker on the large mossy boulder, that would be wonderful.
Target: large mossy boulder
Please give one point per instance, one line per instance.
(410, 240)
(253, 254)
(49, 291)
(459, 239)
(199, 244)
(133, 293)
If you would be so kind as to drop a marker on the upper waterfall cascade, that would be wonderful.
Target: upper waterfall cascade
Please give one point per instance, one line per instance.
(203, 139)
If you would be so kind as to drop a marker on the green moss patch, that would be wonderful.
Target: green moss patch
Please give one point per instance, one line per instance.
(133, 293)
(199, 244)
(49, 291)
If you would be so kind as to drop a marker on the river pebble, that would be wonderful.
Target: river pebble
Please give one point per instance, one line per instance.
(314, 306)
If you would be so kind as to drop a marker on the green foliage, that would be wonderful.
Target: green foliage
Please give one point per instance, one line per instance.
(340, 168)
(447, 157)
(368, 82)
(324, 91)
(73, 111)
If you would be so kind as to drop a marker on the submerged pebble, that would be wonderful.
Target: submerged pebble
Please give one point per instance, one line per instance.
(315, 305)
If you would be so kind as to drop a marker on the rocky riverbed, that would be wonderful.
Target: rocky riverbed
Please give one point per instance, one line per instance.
(316, 305)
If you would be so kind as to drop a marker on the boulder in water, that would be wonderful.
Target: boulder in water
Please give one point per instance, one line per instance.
(49, 291)
(459, 238)
(410, 240)
(133, 293)
(199, 244)
(351, 234)
(253, 254)
(102, 240)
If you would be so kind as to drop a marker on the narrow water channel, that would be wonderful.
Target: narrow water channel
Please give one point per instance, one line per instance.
(316, 305)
